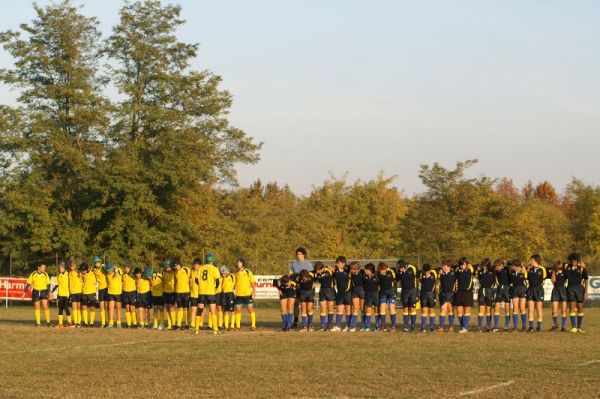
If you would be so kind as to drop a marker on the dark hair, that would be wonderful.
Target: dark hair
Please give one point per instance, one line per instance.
(197, 261)
(319, 265)
(285, 279)
(382, 266)
(304, 276)
(243, 260)
(485, 263)
(341, 259)
(537, 258)
(176, 261)
(302, 250)
(426, 267)
(447, 262)
(558, 264)
(401, 263)
(137, 270)
(574, 256)
(354, 266)
(499, 262)
(84, 267)
(370, 267)
(462, 261)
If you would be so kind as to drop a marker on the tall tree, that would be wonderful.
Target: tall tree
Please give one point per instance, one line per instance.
(170, 138)
(50, 142)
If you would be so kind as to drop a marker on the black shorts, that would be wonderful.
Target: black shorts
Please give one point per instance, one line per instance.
(157, 301)
(38, 295)
(502, 294)
(246, 300)
(519, 291)
(343, 298)
(408, 297)
(371, 299)
(182, 299)
(103, 295)
(207, 299)
(75, 297)
(128, 297)
(284, 293)
(446, 297)
(463, 298)
(169, 298)
(193, 302)
(358, 292)
(227, 301)
(326, 295)
(113, 297)
(306, 296)
(535, 294)
(144, 300)
(485, 296)
(575, 294)
(559, 294)
(427, 299)
(88, 300)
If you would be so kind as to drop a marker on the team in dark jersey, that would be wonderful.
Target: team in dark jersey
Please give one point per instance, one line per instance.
(372, 291)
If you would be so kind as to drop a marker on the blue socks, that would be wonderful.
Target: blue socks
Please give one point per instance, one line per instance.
(406, 319)
(423, 322)
(523, 319)
(393, 319)
(496, 320)
(304, 322)
(413, 321)
(431, 322)
(579, 320)
(284, 319)
(479, 322)
(563, 321)
(323, 320)
(310, 320)
(515, 320)
(367, 323)
(466, 321)
(506, 320)
(573, 320)
(442, 321)
(451, 321)
(555, 321)
(330, 320)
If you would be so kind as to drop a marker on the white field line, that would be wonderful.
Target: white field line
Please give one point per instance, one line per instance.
(126, 343)
(589, 362)
(484, 389)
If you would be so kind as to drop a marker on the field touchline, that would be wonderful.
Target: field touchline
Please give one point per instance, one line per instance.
(475, 391)
(589, 362)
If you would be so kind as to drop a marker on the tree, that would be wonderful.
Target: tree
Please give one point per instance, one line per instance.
(52, 140)
(544, 191)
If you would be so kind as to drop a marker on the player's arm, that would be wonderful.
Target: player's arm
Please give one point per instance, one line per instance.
(585, 277)
(253, 283)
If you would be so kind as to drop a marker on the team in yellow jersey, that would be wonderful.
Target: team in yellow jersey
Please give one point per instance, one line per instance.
(185, 292)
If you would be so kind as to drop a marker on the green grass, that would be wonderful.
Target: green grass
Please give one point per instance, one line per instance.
(100, 363)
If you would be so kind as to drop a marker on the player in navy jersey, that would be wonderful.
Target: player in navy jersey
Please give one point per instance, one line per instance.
(485, 293)
(559, 296)
(536, 274)
(387, 295)
(518, 294)
(428, 279)
(324, 275)
(447, 288)
(371, 284)
(463, 300)
(357, 290)
(577, 290)
(502, 294)
(343, 296)
(407, 276)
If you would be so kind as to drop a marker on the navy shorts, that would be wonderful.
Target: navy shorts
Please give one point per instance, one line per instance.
(463, 298)
(559, 294)
(88, 299)
(182, 299)
(38, 295)
(306, 296)
(207, 299)
(372, 299)
(575, 294)
(343, 298)
(75, 297)
(284, 293)
(358, 292)
(113, 298)
(103, 295)
(502, 294)
(227, 301)
(326, 295)
(128, 297)
(194, 302)
(408, 297)
(519, 291)
(157, 301)
(387, 297)
(427, 299)
(247, 300)
(485, 296)
(446, 297)
(169, 298)
(535, 294)
(144, 300)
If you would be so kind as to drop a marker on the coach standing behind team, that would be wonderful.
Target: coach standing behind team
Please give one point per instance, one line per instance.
(296, 267)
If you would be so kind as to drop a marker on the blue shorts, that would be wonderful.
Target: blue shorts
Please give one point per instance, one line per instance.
(387, 297)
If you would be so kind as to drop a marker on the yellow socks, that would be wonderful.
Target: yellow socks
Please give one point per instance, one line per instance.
(210, 315)
(238, 320)
(38, 316)
(69, 319)
(179, 316)
(133, 318)
(226, 319)
(253, 319)
(85, 316)
(92, 316)
(128, 318)
(220, 318)
(186, 314)
(103, 317)
(215, 322)
(173, 318)
(60, 319)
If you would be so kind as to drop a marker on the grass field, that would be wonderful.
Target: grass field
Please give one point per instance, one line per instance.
(99, 363)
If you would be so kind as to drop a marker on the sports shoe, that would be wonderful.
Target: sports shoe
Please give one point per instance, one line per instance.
(352, 329)
(346, 329)
(580, 331)
(530, 330)
(48, 325)
(252, 328)
(405, 329)
(553, 328)
(563, 329)
(366, 329)
(302, 330)
(423, 330)
(538, 329)
(574, 330)
(495, 330)
(463, 331)
(59, 326)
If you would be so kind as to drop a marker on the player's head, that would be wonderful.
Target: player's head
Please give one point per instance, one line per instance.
(148, 272)
(127, 267)
(340, 262)
(463, 263)
(167, 264)
(72, 265)
(369, 269)
(559, 265)
(355, 267)
(382, 267)
(224, 270)
(240, 263)
(402, 264)
(177, 264)
(41, 267)
(84, 267)
(97, 261)
(499, 264)
(210, 259)
(109, 267)
(285, 280)
(485, 264)
(319, 267)
(137, 272)
(426, 268)
(196, 264)
(300, 253)
(574, 258)
(305, 276)
(62, 266)
(446, 265)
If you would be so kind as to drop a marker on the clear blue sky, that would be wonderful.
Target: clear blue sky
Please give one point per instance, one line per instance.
(362, 86)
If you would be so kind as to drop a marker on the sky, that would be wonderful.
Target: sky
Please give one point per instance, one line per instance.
(358, 87)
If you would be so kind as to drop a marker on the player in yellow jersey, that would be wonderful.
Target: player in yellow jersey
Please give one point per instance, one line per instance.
(227, 297)
(194, 279)
(88, 295)
(168, 278)
(62, 284)
(143, 281)
(39, 282)
(157, 301)
(75, 286)
(129, 296)
(100, 273)
(182, 292)
(219, 307)
(114, 278)
(245, 294)
(207, 288)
